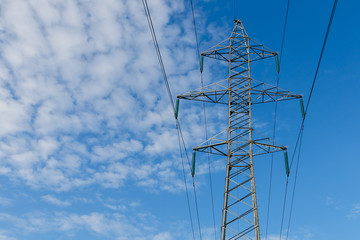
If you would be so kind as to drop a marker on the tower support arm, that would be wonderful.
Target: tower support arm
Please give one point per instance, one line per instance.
(260, 93)
(239, 51)
(212, 148)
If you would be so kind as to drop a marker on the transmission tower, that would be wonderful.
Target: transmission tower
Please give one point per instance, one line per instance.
(239, 142)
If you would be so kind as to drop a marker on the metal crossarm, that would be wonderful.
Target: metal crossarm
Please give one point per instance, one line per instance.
(260, 93)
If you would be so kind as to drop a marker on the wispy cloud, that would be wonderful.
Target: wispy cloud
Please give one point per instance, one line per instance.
(332, 202)
(53, 200)
(4, 201)
(110, 226)
(5, 236)
(354, 211)
(81, 91)
(163, 236)
(274, 237)
(83, 106)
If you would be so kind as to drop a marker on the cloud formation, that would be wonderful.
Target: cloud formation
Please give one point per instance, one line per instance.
(83, 106)
(82, 100)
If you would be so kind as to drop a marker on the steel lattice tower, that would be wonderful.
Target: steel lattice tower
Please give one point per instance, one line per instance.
(239, 143)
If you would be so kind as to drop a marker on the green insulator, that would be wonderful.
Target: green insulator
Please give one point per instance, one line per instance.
(286, 163)
(201, 63)
(177, 108)
(277, 64)
(302, 108)
(193, 164)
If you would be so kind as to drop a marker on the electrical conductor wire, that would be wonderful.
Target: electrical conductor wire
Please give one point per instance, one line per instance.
(315, 77)
(293, 193)
(300, 135)
(153, 34)
(205, 118)
(186, 187)
(275, 119)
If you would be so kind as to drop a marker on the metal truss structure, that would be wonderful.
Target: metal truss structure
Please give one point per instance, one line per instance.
(239, 143)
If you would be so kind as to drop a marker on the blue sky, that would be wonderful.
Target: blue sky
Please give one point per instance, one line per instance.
(88, 145)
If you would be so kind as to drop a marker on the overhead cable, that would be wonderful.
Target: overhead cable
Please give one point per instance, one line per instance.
(316, 73)
(153, 34)
(186, 187)
(275, 119)
(300, 135)
(205, 118)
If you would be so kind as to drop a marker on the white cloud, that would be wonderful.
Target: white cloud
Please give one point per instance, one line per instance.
(117, 150)
(5, 236)
(53, 200)
(14, 116)
(164, 141)
(354, 211)
(163, 236)
(272, 237)
(4, 201)
(82, 95)
(109, 226)
(302, 233)
(135, 204)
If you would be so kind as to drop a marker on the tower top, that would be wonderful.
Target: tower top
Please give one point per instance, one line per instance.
(237, 21)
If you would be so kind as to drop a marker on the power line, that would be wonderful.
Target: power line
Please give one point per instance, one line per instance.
(197, 209)
(322, 52)
(195, 30)
(300, 135)
(293, 193)
(275, 118)
(284, 32)
(316, 73)
(194, 188)
(186, 187)
(205, 118)
(283, 210)
(153, 34)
